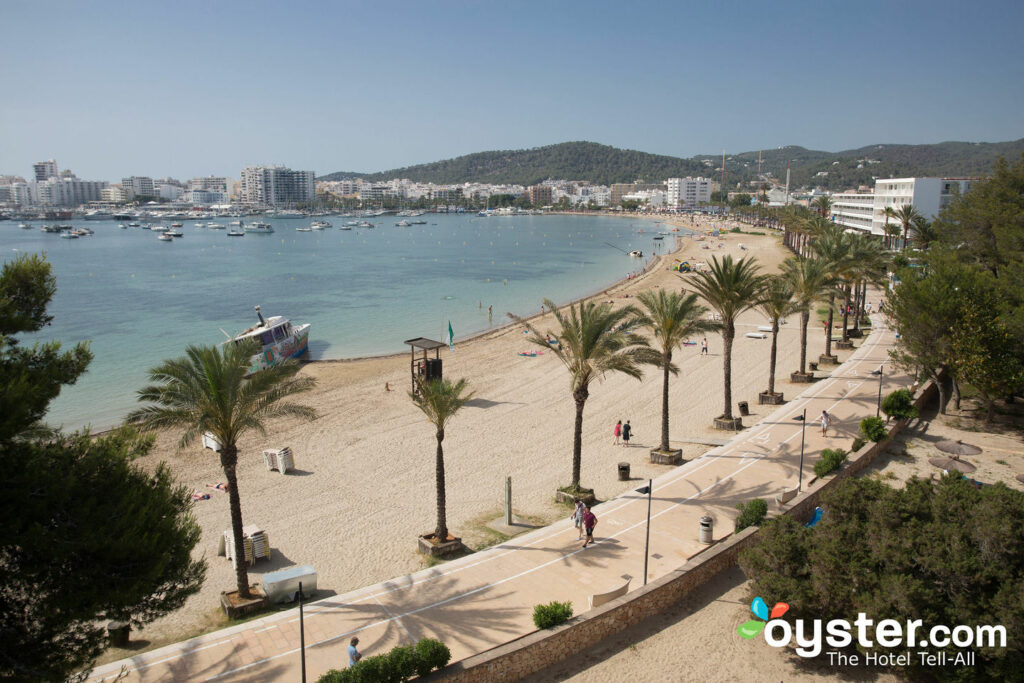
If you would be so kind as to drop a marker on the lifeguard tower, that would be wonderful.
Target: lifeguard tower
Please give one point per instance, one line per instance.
(425, 368)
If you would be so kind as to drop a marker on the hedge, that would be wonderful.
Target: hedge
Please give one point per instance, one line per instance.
(752, 513)
(399, 664)
(831, 460)
(552, 614)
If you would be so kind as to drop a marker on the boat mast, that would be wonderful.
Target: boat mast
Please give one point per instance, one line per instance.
(260, 315)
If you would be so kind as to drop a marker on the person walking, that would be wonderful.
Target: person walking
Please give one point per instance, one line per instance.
(618, 431)
(627, 431)
(826, 419)
(704, 346)
(577, 517)
(353, 653)
(589, 522)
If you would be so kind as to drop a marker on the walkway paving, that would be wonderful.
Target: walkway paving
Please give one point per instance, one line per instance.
(486, 599)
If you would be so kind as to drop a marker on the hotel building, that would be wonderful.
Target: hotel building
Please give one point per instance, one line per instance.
(863, 210)
(682, 192)
(276, 185)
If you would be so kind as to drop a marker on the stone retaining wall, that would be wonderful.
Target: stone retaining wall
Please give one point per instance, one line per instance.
(535, 651)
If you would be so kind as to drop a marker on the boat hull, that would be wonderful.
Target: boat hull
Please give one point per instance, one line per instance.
(292, 347)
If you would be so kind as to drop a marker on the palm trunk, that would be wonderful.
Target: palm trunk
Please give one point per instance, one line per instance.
(581, 396)
(903, 246)
(956, 394)
(846, 312)
(441, 532)
(858, 306)
(828, 329)
(934, 376)
(728, 332)
(666, 360)
(229, 461)
(805, 317)
(771, 362)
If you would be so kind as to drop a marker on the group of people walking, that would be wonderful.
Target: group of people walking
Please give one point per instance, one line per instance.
(585, 520)
(623, 431)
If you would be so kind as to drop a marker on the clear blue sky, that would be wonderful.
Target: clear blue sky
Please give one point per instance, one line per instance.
(189, 88)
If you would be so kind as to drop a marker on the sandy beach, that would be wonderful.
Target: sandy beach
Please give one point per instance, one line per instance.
(364, 485)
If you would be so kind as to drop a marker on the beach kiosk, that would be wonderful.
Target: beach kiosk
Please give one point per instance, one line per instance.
(425, 368)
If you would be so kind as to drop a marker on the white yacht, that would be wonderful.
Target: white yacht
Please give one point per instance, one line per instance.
(164, 237)
(320, 225)
(258, 227)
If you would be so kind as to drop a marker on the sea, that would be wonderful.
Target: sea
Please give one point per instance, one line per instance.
(138, 300)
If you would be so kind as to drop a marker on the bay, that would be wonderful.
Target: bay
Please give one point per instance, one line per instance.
(139, 300)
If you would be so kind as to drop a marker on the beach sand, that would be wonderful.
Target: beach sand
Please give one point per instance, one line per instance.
(363, 488)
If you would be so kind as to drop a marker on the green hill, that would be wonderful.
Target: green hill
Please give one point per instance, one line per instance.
(604, 165)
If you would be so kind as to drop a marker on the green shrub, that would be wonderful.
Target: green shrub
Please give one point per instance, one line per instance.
(395, 666)
(432, 654)
(858, 443)
(552, 614)
(900, 405)
(752, 513)
(831, 460)
(873, 428)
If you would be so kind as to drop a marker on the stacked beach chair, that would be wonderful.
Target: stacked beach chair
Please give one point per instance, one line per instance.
(279, 459)
(255, 540)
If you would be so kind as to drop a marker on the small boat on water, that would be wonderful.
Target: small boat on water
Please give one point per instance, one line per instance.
(174, 232)
(215, 226)
(158, 228)
(123, 226)
(303, 229)
(319, 225)
(364, 224)
(69, 234)
(134, 224)
(258, 227)
(418, 222)
(637, 253)
(402, 224)
(236, 232)
(25, 226)
(199, 225)
(164, 237)
(278, 340)
(175, 225)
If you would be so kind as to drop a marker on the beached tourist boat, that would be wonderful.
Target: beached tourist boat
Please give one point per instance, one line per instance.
(278, 339)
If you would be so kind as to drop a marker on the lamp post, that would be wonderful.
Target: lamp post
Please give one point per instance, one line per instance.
(802, 419)
(302, 636)
(647, 540)
(878, 403)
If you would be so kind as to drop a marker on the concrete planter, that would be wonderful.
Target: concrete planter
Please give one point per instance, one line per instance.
(766, 399)
(844, 345)
(801, 377)
(586, 495)
(828, 360)
(734, 424)
(428, 546)
(236, 608)
(669, 457)
(855, 334)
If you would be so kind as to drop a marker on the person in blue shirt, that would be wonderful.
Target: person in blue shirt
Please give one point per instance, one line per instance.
(353, 653)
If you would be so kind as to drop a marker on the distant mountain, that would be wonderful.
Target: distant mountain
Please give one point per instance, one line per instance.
(568, 160)
(604, 165)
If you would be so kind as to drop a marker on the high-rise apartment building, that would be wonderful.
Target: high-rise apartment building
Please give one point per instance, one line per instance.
(45, 170)
(539, 195)
(215, 183)
(864, 210)
(140, 186)
(687, 191)
(276, 185)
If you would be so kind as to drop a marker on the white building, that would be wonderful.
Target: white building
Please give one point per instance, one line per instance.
(206, 197)
(215, 183)
(653, 198)
(116, 193)
(863, 210)
(687, 191)
(276, 185)
(45, 170)
(169, 192)
(141, 186)
(66, 190)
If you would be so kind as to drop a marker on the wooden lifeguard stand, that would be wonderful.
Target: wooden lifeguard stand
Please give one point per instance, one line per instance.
(424, 369)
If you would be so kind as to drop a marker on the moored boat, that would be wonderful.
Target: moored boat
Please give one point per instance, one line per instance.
(258, 227)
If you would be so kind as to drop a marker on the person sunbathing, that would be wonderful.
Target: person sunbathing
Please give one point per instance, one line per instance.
(223, 488)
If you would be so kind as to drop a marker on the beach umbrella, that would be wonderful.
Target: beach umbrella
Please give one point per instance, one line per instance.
(952, 464)
(957, 447)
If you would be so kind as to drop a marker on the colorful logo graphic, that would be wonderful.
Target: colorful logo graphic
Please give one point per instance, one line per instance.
(751, 628)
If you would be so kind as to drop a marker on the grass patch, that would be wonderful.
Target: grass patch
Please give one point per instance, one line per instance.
(1002, 462)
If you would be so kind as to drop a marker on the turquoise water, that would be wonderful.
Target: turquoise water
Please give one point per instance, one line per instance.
(140, 300)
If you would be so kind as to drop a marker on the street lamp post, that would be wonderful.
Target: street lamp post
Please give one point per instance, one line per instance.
(302, 635)
(878, 403)
(802, 419)
(647, 541)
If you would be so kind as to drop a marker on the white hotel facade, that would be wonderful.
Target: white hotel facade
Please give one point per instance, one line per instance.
(687, 191)
(863, 210)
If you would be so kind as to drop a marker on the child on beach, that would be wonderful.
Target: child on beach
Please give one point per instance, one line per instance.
(589, 522)
(618, 431)
(577, 517)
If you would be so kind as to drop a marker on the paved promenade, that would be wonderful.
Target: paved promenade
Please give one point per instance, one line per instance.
(486, 599)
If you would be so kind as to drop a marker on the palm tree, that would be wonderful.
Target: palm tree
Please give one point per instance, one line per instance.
(440, 400)
(833, 246)
(811, 280)
(207, 391)
(671, 317)
(730, 287)
(887, 213)
(924, 234)
(776, 302)
(907, 215)
(593, 340)
(823, 205)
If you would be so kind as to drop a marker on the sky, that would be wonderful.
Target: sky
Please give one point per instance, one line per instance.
(186, 89)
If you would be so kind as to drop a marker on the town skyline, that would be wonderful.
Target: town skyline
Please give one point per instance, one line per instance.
(343, 88)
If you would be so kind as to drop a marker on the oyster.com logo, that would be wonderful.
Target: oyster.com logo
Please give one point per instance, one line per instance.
(751, 628)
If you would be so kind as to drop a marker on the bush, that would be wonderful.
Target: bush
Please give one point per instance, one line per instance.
(831, 460)
(858, 443)
(900, 405)
(752, 513)
(552, 614)
(432, 654)
(873, 428)
(395, 666)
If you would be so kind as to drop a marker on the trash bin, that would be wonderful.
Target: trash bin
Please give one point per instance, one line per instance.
(744, 408)
(117, 632)
(623, 471)
(707, 528)
(813, 366)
